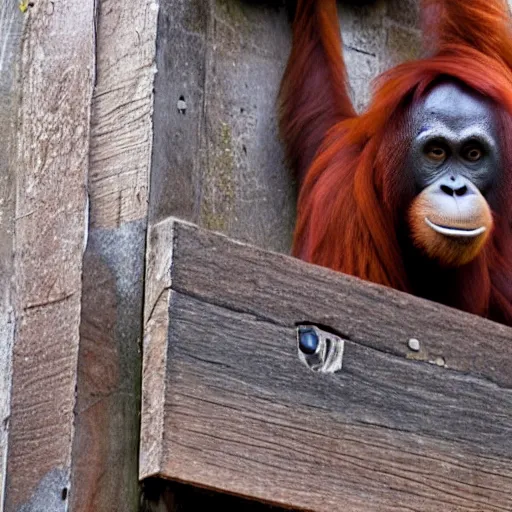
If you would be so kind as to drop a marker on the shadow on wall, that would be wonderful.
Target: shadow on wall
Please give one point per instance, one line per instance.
(163, 496)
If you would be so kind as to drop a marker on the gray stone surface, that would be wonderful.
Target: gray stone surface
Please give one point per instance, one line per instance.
(404, 12)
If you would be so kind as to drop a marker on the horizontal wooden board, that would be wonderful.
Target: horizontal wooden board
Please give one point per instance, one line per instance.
(285, 290)
(228, 405)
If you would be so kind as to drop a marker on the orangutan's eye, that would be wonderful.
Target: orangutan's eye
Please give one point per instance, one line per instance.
(435, 153)
(473, 154)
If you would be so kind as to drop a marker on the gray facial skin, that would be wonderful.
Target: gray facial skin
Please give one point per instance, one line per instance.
(454, 141)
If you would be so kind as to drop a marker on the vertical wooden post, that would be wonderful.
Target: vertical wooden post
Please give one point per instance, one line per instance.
(49, 156)
(105, 458)
(11, 24)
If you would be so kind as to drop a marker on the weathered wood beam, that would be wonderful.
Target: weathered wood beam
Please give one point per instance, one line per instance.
(11, 27)
(105, 456)
(48, 57)
(228, 405)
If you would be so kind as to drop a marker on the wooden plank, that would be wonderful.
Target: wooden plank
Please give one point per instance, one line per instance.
(56, 73)
(208, 264)
(122, 111)
(105, 452)
(228, 405)
(105, 470)
(11, 26)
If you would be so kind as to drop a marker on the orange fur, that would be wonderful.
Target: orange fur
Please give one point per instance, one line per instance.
(354, 196)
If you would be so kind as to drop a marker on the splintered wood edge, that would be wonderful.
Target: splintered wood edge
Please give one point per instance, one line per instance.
(161, 240)
(154, 346)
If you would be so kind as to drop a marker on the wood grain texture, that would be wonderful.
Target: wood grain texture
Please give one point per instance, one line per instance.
(240, 413)
(105, 452)
(97, 383)
(56, 75)
(11, 26)
(122, 108)
(208, 263)
(156, 326)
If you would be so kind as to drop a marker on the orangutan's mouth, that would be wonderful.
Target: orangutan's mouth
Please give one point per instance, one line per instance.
(456, 232)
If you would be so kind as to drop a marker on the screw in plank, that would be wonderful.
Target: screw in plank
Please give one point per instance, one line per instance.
(319, 350)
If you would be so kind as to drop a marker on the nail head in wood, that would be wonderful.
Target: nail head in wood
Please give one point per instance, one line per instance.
(414, 345)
